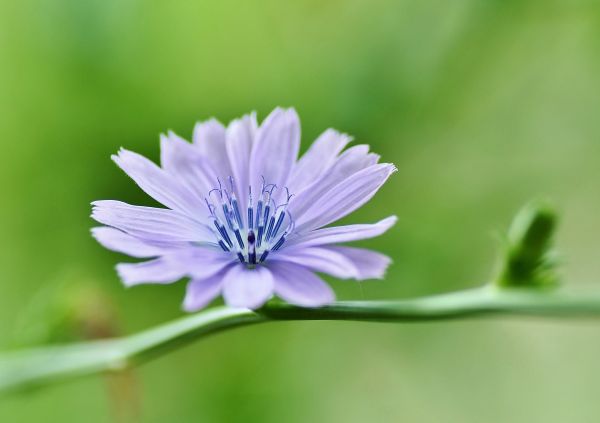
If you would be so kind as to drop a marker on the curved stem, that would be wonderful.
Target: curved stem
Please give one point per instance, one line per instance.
(42, 365)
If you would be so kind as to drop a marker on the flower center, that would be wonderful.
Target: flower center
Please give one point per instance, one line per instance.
(254, 235)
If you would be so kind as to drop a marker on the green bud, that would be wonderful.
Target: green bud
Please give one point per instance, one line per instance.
(528, 259)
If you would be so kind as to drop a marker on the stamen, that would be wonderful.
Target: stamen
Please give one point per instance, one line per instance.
(279, 223)
(264, 222)
(223, 232)
(211, 208)
(234, 204)
(227, 214)
(280, 217)
(236, 210)
(259, 208)
(219, 190)
(261, 229)
(279, 243)
(220, 241)
(267, 212)
(273, 231)
(250, 209)
(239, 238)
(264, 255)
(289, 229)
(263, 218)
(270, 229)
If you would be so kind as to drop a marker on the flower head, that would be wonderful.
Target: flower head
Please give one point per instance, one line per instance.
(245, 217)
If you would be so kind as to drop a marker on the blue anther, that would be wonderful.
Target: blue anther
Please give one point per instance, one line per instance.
(250, 218)
(264, 255)
(224, 233)
(236, 210)
(279, 222)
(250, 209)
(227, 216)
(270, 229)
(227, 195)
(279, 243)
(239, 238)
(267, 212)
(223, 246)
(241, 257)
(259, 208)
(259, 235)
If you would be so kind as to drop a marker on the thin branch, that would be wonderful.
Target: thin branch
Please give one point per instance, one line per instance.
(40, 366)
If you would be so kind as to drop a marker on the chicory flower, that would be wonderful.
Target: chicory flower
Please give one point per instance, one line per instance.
(244, 217)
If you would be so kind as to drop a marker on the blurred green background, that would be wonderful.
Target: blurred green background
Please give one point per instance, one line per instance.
(482, 105)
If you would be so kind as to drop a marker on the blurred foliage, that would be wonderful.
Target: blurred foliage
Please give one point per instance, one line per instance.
(482, 105)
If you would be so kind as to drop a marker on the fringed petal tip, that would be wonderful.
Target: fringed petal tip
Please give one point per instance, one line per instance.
(375, 266)
(122, 151)
(247, 117)
(390, 168)
(209, 122)
(206, 128)
(379, 274)
(335, 133)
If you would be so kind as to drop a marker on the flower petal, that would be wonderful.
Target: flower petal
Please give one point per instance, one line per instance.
(345, 197)
(161, 186)
(119, 241)
(350, 162)
(320, 156)
(319, 259)
(240, 137)
(275, 149)
(150, 223)
(247, 288)
(209, 137)
(299, 286)
(153, 271)
(339, 234)
(201, 262)
(370, 264)
(185, 162)
(201, 291)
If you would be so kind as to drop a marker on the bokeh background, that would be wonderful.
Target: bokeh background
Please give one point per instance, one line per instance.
(482, 105)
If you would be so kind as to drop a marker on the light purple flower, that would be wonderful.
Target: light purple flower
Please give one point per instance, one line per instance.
(245, 217)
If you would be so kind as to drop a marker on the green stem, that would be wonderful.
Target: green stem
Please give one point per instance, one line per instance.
(43, 365)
